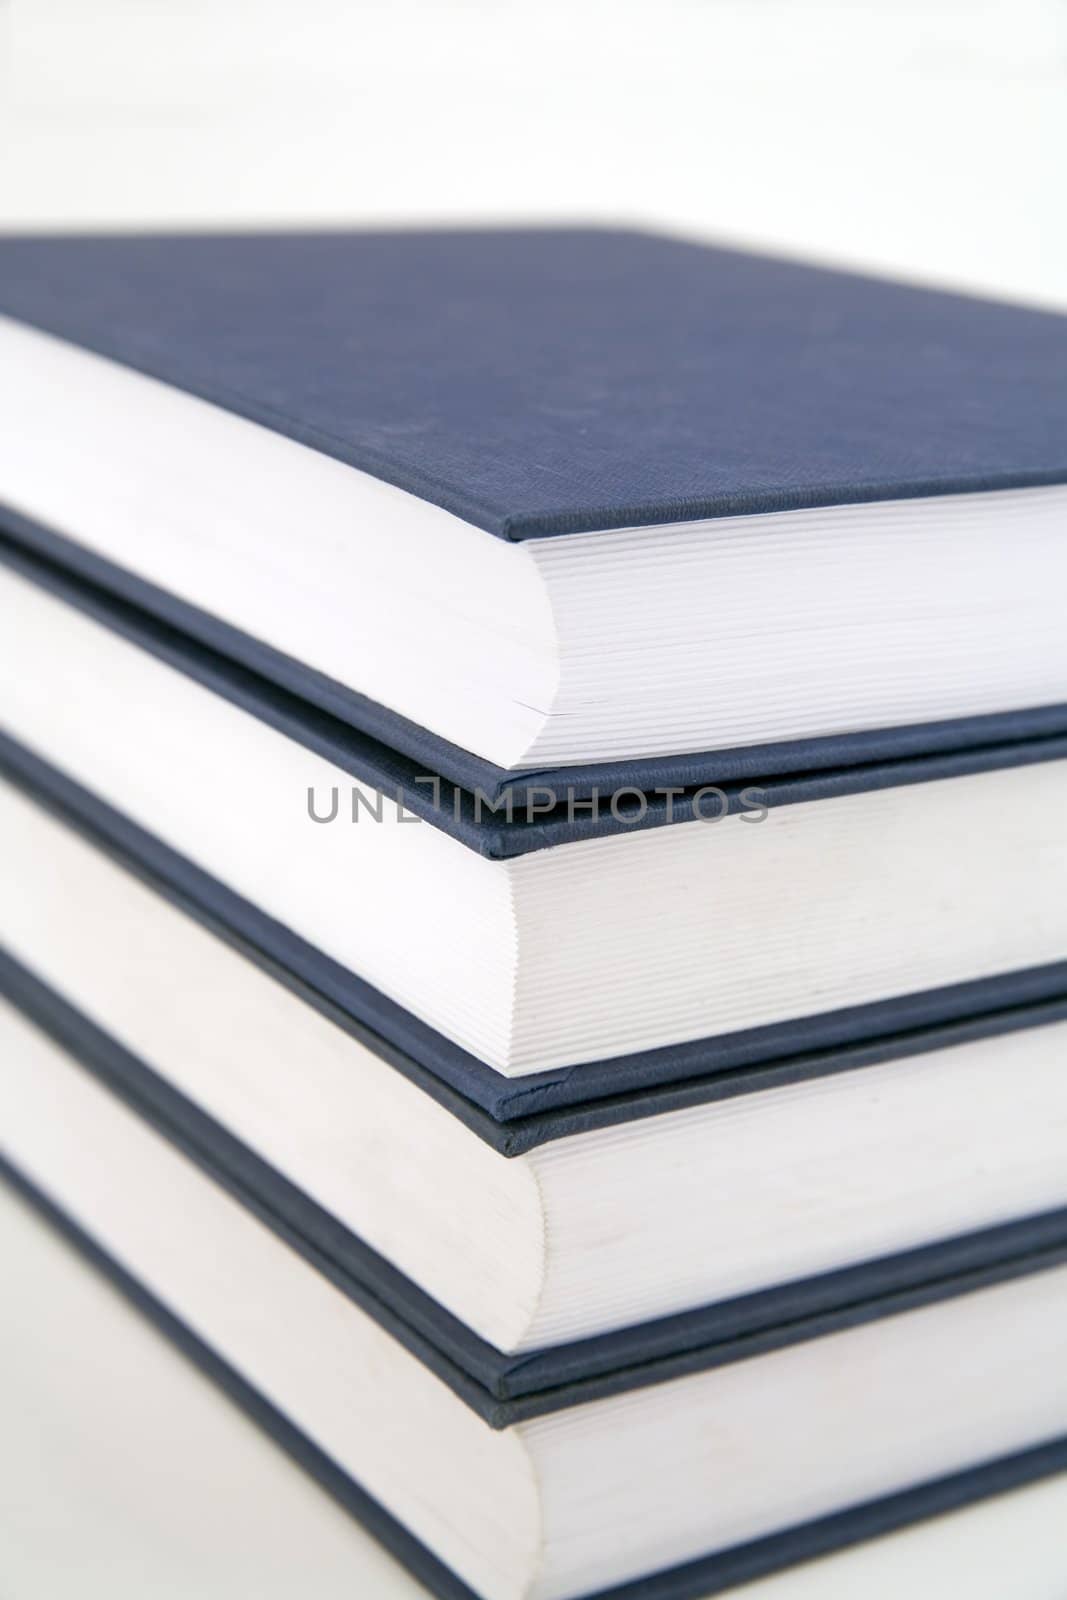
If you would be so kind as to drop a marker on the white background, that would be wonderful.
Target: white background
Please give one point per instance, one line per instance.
(923, 139)
(928, 138)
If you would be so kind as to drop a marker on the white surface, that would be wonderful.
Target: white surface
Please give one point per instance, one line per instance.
(569, 954)
(583, 1498)
(587, 1233)
(110, 1490)
(594, 647)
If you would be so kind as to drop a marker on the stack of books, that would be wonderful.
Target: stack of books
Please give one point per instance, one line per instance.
(535, 875)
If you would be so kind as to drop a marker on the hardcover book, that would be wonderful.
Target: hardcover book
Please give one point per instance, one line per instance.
(557, 505)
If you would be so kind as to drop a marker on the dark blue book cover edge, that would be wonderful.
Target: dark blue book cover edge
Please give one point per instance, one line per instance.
(548, 381)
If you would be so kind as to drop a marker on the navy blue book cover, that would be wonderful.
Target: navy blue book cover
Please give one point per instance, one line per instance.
(553, 381)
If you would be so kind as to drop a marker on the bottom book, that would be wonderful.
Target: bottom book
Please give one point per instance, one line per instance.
(158, 1485)
(683, 1489)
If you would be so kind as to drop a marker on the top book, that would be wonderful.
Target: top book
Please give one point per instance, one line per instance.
(746, 515)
